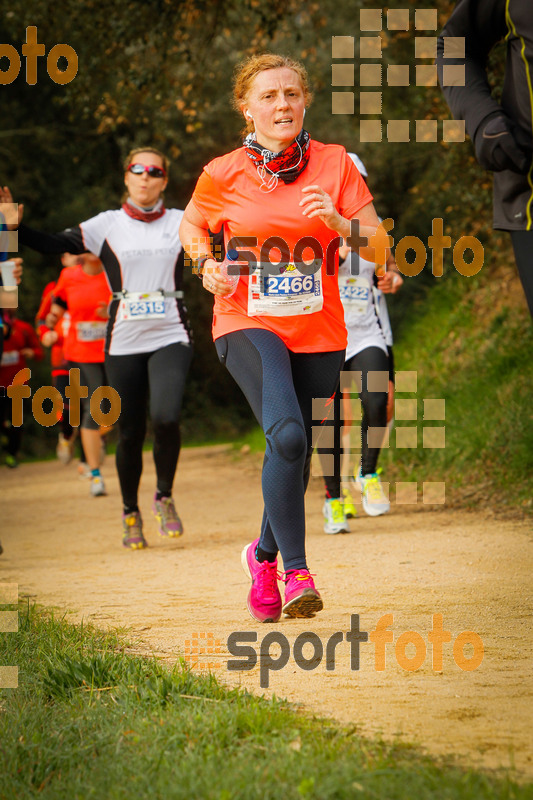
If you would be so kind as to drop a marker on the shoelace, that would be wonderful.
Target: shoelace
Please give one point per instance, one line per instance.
(268, 576)
(374, 489)
(297, 575)
(169, 509)
(133, 532)
(347, 501)
(337, 511)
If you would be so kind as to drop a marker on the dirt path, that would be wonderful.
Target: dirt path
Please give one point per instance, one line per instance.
(63, 548)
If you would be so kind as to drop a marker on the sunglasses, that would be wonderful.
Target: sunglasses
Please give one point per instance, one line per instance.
(153, 171)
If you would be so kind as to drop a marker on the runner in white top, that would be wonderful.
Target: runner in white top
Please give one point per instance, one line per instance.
(148, 342)
(141, 264)
(369, 350)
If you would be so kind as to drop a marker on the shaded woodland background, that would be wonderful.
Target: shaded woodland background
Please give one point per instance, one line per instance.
(160, 72)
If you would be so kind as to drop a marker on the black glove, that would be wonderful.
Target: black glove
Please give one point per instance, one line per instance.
(500, 144)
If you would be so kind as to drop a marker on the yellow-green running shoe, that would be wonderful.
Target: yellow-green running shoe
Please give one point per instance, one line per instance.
(375, 502)
(334, 518)
(350, 510)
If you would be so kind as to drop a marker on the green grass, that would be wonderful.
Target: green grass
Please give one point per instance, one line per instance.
(474, 351)
(253, 441)
(90, 720)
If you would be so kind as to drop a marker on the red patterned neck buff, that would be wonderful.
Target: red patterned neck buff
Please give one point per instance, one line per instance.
(285, 166)
(141, 214)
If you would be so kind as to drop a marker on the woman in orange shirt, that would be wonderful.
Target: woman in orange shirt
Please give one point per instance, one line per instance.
(286, 200)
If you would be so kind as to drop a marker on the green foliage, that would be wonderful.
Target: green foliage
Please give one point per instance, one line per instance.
(470, 343)
(91, 719)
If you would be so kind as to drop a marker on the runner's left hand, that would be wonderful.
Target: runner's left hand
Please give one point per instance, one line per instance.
(317, 203)
(101, 310)
(390, 282)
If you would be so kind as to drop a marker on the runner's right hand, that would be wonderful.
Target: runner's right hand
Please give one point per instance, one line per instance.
(49, 338)
(17, 270)
(213, 280)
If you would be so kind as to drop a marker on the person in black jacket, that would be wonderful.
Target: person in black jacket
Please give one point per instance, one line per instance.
(501, 131)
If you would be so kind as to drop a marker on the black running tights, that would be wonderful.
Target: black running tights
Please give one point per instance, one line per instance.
(280, 386)
(156, 379)
(374, 407)
(523, 251)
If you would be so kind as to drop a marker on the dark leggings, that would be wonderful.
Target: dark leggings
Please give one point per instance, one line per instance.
(157, 379)
(60, 382)
(280, 386)
(374, 404)
(92, 375)
(12, 434)
(523, 251)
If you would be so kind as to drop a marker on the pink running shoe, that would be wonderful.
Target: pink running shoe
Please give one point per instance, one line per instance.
(301, 596)
(264, 599)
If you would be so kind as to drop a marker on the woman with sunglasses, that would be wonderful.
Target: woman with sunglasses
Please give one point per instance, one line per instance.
(281, 333)
(148, 341)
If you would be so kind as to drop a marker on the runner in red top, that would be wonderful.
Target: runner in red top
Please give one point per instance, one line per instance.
(286, 200)
(57, 358)
(83, 290)
(52, 333)
(21, 344)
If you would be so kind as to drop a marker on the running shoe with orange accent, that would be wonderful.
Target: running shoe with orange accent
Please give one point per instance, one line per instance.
(132, 526)
(84, 471)
(168, 522)
(264, 599)
(302, 598)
